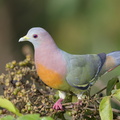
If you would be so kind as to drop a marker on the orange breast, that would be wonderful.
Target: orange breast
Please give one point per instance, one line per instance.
(50, 77)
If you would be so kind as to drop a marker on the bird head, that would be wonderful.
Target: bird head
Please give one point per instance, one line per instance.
(35, 35)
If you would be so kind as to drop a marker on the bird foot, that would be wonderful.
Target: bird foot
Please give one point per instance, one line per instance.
(58, 105)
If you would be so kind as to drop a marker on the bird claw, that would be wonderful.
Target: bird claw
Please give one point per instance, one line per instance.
(58, 105)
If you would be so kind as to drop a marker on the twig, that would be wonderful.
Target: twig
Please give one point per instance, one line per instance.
(116, 110)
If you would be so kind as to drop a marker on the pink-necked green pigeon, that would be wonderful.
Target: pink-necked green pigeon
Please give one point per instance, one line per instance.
(67, 72)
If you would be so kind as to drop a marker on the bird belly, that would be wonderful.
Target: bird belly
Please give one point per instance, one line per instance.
(51, 78)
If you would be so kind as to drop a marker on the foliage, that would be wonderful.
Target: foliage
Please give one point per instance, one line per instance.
(24, 93)
(113, 91)
(4, 103)
(26, 117)
(24, 89)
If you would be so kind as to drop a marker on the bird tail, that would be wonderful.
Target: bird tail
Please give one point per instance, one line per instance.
(111, 62)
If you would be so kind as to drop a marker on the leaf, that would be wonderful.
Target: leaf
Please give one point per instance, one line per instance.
(29, 117)
(46, 118)
(111, 85)
(4, 103)
(117, 94)
(9, 117)
(105, 109)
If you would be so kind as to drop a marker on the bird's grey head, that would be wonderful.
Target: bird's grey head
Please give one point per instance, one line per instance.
(35, 35)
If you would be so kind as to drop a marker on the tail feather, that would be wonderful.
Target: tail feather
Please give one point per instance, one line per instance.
(116, 57)
(112, 61)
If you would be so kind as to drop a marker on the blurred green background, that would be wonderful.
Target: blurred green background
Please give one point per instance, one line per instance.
(77, 26)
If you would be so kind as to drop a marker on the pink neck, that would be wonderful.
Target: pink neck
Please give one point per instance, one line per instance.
(50, 56)
(45, 51)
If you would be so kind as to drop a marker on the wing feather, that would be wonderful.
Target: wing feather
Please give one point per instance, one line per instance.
(83, 70)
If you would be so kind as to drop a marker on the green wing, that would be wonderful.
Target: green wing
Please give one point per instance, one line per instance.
(82, 70)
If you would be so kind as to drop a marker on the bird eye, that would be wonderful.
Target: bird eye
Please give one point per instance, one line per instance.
(35, 36)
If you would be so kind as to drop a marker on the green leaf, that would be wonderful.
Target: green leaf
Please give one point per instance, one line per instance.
(111, 85)
(9, 117)
(116, 94)
(30, 117)
(105, 109)
(46, 118)
(4, 103)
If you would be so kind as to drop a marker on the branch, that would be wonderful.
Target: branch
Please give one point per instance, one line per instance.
(116, 110)
(98, 92)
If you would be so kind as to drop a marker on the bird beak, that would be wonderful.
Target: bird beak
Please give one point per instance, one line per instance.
(25, 38)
